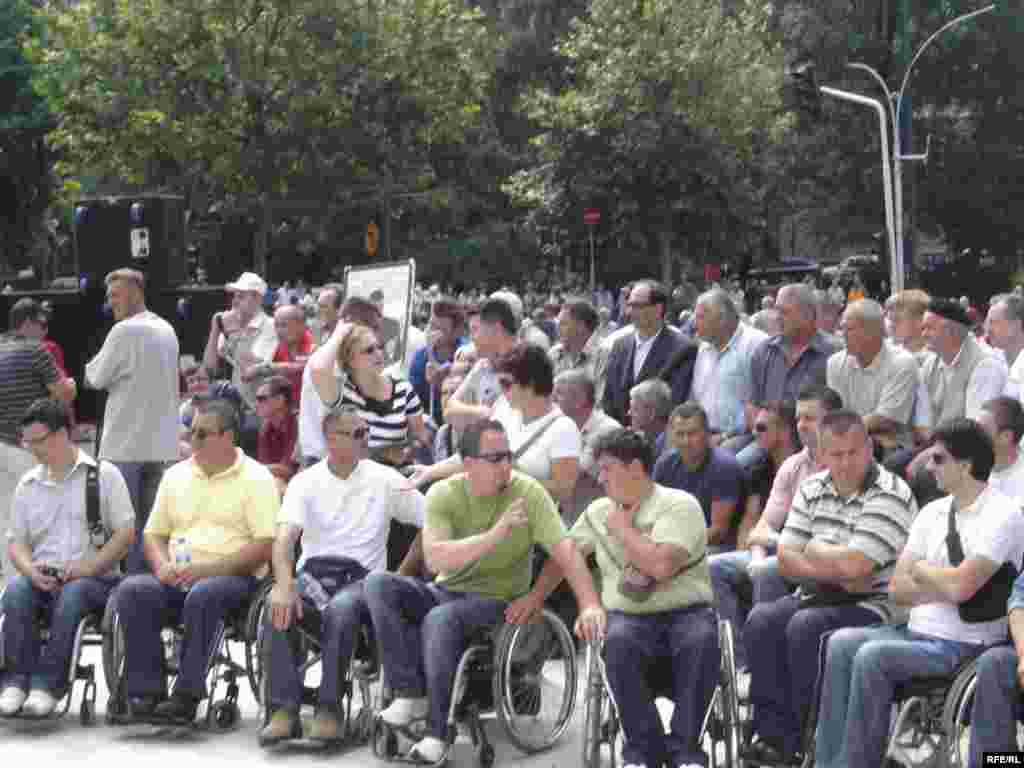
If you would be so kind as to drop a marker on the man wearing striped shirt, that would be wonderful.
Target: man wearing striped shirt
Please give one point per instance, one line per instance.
(842, 539)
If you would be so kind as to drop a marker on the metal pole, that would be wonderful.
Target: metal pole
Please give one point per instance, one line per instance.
(593, 277)
(896, 278)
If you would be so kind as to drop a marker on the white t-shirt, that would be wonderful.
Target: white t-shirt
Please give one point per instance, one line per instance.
(350, 518)
(311, 418)
(138, 367)
(1010, 480)
(480, 387)
(993, 528)
(561, 440)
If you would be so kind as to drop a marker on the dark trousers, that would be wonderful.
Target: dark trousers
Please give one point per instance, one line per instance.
(64, 609)
(422, 630)
(337, 627)
(680, 650)
(142, 479)
(146, 606)
(782, 644)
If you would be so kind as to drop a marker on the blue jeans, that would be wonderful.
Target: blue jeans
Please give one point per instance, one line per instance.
(422, 630)
(142, 479)
(146, 606)
(65, 608)
(738, 589)
(782, 644)
(678, 648)
(338, 626)
(863, 666)
(997, 704)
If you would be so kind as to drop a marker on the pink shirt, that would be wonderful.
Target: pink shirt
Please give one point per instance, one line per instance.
(793, 471)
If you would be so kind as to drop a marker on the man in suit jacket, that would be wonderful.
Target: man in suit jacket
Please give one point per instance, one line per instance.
(652, 350)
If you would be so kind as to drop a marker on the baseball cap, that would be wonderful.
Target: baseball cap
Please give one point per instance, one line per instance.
(248, 281)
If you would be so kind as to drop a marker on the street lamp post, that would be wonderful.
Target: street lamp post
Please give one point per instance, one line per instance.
(894, 180)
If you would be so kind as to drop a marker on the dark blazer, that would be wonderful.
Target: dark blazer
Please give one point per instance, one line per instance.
(671, 358)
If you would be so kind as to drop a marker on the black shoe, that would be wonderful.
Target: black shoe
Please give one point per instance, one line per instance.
(180, 709)
(141, 707)
(761, 752)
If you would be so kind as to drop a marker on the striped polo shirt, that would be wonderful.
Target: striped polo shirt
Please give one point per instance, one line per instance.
(875, 521)
(388, 420)
(26, 370)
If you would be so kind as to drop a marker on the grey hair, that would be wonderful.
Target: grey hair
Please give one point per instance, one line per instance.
(578, 377)
(1014, 306)
(803, 295)
(723, 301)
(869, 312)
(657, 393)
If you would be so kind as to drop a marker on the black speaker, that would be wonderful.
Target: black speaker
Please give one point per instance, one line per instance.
(145, 232)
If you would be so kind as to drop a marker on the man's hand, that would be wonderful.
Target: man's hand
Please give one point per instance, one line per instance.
(515, 517)
(592, 623)
(42, 581)
(525, 609)
(620, 519)
(167, 574)
(418, 478)
(193, 572)
(79, 569)
(285, 605)
(227, 322)
(1020, 674)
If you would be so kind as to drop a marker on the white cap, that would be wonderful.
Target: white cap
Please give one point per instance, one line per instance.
(248, 281)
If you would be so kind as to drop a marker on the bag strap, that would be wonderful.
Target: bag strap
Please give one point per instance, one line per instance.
(954, 546)
(522, 449)
(92, 499)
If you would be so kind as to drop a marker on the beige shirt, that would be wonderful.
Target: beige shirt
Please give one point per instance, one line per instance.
(886, 387)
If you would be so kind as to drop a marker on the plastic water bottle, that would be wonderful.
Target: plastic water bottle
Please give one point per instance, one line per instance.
(182, 554)
(314, 590)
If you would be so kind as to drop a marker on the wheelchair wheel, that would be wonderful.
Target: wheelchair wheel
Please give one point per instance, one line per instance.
(723, 725)
(253, 641)
(535, 681)
(918, 737)
(600, 722)
(956, 715)
(113, 654)
(225, 715)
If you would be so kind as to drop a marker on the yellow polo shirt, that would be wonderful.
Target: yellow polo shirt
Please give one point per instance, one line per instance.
(218, 514)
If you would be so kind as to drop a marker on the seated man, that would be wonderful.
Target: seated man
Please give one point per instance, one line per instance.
(864, 665)
(279, 429)
(481, 526)
(698, 467)
(843, 534)
(750, 575)
(208, 540)
(661, 534)
(351, 542)
(66, 567)
(1003, 419)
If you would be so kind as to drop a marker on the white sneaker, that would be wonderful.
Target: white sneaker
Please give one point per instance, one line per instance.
(11, 700)
(404, 711)
(429, 749)
(39, 703)
(634, 765)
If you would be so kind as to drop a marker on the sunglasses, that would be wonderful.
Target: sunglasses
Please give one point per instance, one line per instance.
(761, 427)
(940, 458)
(34, 441)
(496, 458)
(201, 434)
(359, 433)
(373, 348)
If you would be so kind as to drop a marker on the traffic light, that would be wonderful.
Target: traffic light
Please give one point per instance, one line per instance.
(372, 239)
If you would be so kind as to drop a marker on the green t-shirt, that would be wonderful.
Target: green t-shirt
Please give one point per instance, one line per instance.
(667, 516)
(505, 572)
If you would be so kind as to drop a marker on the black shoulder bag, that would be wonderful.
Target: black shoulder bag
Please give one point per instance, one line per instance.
(98, 534)
(989, 602)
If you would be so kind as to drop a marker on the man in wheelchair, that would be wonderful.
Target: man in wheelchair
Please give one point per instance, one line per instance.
(936, 576)
(650, 543)
(208, 541)
(342, 507)
(68, 563)
(481, 526)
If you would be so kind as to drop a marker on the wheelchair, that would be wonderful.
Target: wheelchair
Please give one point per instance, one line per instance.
(522, 675)
(221, 714)
(359, 689)
(602, 726)
(931, 719)
(88, 634)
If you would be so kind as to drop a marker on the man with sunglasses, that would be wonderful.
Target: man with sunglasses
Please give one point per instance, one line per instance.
(342, 507)
(481, 526)
(208, 541)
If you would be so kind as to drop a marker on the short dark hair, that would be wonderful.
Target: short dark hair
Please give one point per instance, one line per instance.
(448, 308)
(830, 399)
(691, 409)
(966, 440)
(359, 310)
(1008, 414)
(497, 311)
(626, 445)
(339, 293)
(530, 366)
(842, 421)
(659, 293)
(48, 412)
(582, 312)
(24, 309)
(279, 385)
(224, 410)
(469, 443)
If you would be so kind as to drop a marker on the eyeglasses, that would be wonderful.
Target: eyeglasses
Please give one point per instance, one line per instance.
(201, 434)
(359, 433)
(373, 348)
(761, 427)
(495, 458)
(940, 458)
(34, 441)
(266, 396)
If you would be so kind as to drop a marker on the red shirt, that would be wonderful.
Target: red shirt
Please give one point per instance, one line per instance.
(283, 355)
(275, 444)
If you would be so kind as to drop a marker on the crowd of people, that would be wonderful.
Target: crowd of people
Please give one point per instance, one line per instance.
(831, 472)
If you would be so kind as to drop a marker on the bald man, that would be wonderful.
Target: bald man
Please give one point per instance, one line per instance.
(295, 343)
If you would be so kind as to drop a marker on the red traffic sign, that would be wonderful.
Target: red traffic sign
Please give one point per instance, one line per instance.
(592, 216)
